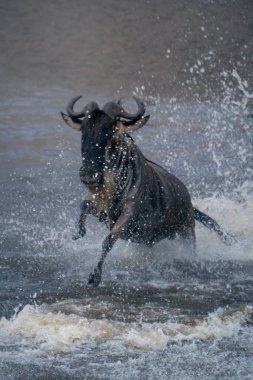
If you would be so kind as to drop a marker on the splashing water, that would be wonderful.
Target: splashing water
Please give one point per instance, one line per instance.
(154, 305)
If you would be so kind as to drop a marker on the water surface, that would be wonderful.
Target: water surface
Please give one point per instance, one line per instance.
(159, 313)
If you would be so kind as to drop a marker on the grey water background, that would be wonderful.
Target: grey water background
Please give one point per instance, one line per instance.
(159, 314)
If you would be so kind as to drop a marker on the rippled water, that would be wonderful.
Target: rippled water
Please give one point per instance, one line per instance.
(159, 313)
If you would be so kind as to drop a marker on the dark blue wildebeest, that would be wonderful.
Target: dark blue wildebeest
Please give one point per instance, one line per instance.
(139, 199)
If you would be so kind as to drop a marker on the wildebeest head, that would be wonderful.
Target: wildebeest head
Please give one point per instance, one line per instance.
(98, 127)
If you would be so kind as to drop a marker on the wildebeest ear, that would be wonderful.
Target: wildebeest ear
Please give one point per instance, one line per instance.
(73, 123)
(129, 126)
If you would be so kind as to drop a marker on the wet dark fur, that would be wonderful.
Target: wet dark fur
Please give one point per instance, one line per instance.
(140, 200)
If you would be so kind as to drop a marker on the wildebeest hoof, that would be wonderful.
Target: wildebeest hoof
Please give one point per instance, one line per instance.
(79, 235)
(94, 278)
(229, 239)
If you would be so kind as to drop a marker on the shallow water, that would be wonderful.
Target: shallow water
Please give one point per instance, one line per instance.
(159, 313)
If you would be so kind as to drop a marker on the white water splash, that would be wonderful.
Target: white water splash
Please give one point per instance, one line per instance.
(236, 218)
(57, 332)
(242, 85)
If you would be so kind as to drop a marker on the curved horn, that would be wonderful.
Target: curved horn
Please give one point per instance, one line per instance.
(90, 107)
(115, 110)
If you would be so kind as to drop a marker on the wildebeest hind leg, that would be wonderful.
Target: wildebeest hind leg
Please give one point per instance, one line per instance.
(189, 239)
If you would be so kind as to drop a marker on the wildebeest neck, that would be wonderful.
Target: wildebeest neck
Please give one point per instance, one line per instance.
(125, 159)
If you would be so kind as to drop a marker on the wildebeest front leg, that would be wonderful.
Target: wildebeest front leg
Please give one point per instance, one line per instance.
(95, 277)
(86, 208)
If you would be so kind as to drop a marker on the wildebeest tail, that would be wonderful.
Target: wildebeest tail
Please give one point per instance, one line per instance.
(212, 225)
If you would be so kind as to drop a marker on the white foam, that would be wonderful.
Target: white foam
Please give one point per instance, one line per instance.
(57, 332)
(236, 218)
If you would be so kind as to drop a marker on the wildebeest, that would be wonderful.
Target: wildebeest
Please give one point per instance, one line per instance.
(140, 200)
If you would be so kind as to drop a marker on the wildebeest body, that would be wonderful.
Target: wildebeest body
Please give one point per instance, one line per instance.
(158, 203)
(139, 200)
(154, 203)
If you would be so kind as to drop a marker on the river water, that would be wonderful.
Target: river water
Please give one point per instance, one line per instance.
(159, 313)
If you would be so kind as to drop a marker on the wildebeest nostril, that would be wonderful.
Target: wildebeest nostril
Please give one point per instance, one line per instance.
(88, 177)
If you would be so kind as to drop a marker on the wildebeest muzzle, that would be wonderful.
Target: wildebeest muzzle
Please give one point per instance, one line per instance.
(90, 177)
